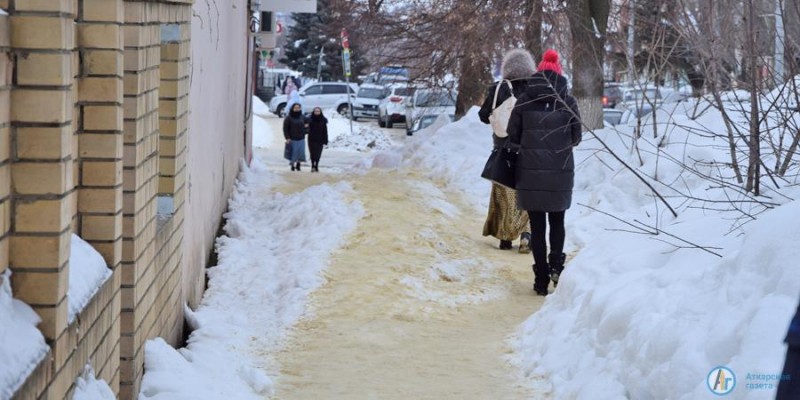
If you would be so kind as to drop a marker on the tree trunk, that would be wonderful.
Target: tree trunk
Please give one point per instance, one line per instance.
(753, 167)
(534, 10)
(473, 80)
(588, 20)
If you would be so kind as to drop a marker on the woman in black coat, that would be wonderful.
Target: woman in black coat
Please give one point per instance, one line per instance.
(546, 124)
(504, 220)
(317, 136)
(294, 132)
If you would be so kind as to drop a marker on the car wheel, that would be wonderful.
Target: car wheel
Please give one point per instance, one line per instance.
(389, 123)
(343, 110)
(280, 109)
(381, 123)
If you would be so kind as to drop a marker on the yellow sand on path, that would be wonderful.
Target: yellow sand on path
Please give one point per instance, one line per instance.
(417, 305)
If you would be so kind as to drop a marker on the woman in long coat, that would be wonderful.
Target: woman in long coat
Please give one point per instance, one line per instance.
(317, 136)
(504, 220)
(294, 132)
(546, 124)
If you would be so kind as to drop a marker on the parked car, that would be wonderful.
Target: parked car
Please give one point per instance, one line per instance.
(319, 94)
(614, 117)
(426, 121)
(641, 100)
(392, 109)
(429, 102)
(367, 100)
(612, 94)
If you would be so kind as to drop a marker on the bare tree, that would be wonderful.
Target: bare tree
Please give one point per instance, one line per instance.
(588, 21)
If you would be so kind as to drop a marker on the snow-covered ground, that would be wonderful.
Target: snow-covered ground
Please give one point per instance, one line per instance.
(649, 303)
(640, 315)
(269, 262)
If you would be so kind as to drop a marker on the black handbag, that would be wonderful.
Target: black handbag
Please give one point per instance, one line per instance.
(501, 166)
(287, 151)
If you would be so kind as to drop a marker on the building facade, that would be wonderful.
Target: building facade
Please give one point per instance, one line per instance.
(125, 123)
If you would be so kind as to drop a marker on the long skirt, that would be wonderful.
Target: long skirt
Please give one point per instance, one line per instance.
(315, 149)
(504, 221)
(298, 150)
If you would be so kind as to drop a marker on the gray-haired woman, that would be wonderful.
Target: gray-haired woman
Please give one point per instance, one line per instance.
(504, 220)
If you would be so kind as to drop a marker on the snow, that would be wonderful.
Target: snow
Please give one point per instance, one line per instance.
(452, 154)
(87, 273)
(641, 315)
(262, 135)
(270, 260)
(88, 387)
(22, 346)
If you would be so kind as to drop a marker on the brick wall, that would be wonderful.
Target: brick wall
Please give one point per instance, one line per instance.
(94, 130)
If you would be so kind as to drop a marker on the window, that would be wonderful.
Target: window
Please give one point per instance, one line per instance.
(316, 89)
(266, 21)
(404, 91)
(334, 89)
(371, 93)
(435, 99)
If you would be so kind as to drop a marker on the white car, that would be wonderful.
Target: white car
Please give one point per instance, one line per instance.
(430, 102)
(319, 94)
(392, 108)
(367, 100)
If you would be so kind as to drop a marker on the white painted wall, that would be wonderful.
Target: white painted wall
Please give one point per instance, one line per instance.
(216, 128)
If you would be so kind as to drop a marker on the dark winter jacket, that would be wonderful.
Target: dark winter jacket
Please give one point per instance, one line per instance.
(546, 124)
(318, 129)
(793, 337)
(294, 126)
(518, 87)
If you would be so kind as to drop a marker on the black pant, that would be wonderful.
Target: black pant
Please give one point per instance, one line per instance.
(789, 389)
(316, 152)
(539, 228)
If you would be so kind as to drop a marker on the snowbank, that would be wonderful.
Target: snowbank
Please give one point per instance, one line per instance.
(640, 315)
(364, 138)
(269, 262)
(259, 108)
(262, 135)
(87, 273)
(88, 387)
(452, 154)
(22, 346)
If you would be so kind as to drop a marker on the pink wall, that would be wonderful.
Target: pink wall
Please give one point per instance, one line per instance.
(217, 126)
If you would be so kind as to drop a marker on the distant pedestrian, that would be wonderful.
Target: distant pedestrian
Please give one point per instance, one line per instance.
(317, 136)
(505, 221)
(294, 126)
(545, 123)
(289, 85)
(789, 386)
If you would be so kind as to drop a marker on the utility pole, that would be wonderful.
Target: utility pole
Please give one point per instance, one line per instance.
(779, 43)
(347, 72)
(631, 51)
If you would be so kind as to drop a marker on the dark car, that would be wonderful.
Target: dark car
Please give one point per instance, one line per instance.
(612, 95)
(424, 122)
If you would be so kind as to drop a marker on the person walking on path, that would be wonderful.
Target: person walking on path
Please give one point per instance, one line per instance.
(545, 124)
(789, 385)
(317, 136)
(504, 220)
(294, 132)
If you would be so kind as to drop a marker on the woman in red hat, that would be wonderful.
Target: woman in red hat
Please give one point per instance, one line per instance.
(546, 124)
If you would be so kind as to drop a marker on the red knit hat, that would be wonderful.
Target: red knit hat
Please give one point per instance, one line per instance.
(550, 62)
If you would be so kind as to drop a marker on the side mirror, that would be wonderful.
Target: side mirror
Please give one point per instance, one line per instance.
(302, 94)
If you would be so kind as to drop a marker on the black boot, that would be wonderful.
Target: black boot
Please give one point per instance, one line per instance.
(556, 266)
(298, 166)
(506, 245)
(541, 279)
(292, 165)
